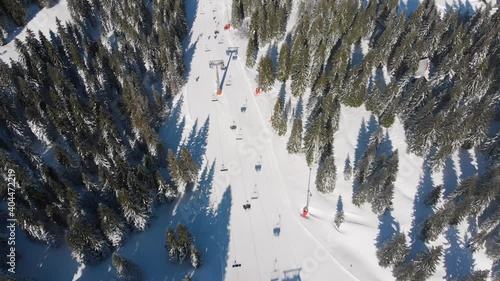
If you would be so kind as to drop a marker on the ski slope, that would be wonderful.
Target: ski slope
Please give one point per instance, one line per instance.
(271, 241)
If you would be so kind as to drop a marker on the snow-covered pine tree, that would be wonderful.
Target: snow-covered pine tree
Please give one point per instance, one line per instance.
(166, 191)
(112, 225)
(433, 197)
(426, 262)
(87, 244)
(195, 257)
(183, 243)
(327, 172)
(283, 63)
(279, 121)
(251, 49)
(174, 167)
(394, 251)
(347, 168)
(125, 269)
(477, 275)
(134, 212)
(266, 72)
(236, 13)
(339, 216)
(294, 144)
(188, 166)
(300, 69)
(171, 245)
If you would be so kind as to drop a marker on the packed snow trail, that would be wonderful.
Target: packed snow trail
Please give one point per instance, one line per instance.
(254, 243)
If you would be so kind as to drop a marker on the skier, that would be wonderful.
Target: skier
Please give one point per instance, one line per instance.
(197, 78)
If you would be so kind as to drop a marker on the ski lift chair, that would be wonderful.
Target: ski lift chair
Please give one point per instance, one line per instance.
(223, 168)
(255, 193)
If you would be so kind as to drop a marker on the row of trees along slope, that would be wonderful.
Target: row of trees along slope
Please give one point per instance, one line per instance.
(79, 117)
(457, 107)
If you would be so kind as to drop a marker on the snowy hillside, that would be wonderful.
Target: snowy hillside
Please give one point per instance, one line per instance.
(44, 21)
(271, 240)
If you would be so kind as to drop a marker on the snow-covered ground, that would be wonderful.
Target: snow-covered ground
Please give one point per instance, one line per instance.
(44, 20)
(271, 241)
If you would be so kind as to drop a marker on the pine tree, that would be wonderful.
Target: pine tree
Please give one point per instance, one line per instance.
(425, 263)
(278, 119)
(86, 243)
(393, 252)
(171, 244)
(251, 50)
(266, 73)
(478, 275)
(174, 167)
(195, 257)
(283, 63)
(433, 197)
(327, 171)
(126, 270)
(236, 13)
(294, 144)
(339, 217)
(189, 167)
(184, 240)
(112, 225)
(347, 168)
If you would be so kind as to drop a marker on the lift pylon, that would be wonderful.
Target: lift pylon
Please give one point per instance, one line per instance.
(216, 64)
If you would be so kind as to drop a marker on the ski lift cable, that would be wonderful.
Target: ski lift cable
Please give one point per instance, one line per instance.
(246, 196)
(219, 134)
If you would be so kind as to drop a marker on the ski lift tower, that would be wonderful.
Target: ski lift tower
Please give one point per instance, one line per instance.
(305, 211)
(216, 64)
(232, 51)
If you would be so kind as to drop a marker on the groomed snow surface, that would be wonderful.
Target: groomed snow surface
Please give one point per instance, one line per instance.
(271, 241)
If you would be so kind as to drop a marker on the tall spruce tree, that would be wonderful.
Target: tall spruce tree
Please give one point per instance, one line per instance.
(283, 63)
(294, 144)
(266, 73)
(125, 269)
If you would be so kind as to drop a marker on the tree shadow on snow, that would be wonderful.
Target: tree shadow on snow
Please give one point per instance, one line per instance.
(172, 129)
(467, 169)
(357, 54)
(299, 109)
(209, 229)
(365, 131)
(458, 259)
(282, 93)
(273, 53)
(420, 211)
(197, 141)
(191, 10)
(188, 56)
(31, 11)
(411, 6)
(210, 225)
(388, 227)
(450, 179)
(340, 204)
(386, 145)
